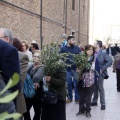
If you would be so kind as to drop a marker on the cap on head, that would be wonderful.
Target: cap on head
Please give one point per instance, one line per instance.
(33, 41)
(70, 37)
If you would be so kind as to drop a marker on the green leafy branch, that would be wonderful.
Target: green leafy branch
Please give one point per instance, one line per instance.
(81, 61)
(52, 59)
(9, 97)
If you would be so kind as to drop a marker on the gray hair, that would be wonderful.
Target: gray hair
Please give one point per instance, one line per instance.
(8, 33)
(64, 36)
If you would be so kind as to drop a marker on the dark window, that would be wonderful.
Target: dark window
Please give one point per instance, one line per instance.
(73, 4)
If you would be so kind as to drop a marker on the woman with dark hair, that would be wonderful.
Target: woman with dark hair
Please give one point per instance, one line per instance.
(87, 86)
(18, 44)
(34, 47)
(23, 58)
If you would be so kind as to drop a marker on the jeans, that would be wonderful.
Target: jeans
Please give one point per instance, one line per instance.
(71, 77)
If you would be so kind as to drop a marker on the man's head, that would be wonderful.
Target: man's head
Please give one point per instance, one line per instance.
(71, 40)
(116, 45)
(98, 45)
(109, 45)
(6, 35)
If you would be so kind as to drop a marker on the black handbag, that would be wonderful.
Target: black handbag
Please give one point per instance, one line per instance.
(50, 97)
(106, 77)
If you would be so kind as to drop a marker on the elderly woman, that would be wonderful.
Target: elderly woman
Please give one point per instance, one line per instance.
(36, 73)
(26, 51)
(116, 68)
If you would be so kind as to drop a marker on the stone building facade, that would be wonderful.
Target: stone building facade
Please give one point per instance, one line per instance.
(28, 22)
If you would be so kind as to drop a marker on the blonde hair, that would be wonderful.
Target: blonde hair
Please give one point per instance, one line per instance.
(26, 43)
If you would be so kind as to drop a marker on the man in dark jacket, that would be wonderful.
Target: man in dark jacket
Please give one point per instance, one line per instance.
(110, 50)
(71, 71)
(9, 60)
(103, 61)
(116, 49)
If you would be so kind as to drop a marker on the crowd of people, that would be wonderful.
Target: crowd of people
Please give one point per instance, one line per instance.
(18, 57)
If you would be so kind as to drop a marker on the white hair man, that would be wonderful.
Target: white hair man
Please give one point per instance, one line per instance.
(9, 60)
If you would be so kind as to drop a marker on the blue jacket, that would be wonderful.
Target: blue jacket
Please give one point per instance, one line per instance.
(97, 70)
(9, 62)
(72, 50)
(103, 61)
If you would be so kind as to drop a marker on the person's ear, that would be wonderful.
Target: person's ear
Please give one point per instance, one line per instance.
(7, 39)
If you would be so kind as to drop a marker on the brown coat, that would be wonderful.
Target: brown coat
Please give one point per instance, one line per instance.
(21, 105)
(117, 58)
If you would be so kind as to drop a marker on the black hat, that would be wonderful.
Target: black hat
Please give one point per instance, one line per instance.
(70, 37)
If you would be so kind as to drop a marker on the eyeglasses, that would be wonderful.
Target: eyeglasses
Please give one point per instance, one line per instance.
(35, 56)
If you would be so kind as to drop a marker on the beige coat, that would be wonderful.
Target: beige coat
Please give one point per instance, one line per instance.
(117, 58)
(21, 105)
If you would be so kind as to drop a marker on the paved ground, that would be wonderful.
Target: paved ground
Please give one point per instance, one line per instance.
(112, 111)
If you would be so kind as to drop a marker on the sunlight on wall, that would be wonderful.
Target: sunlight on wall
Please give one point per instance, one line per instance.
(105, 16)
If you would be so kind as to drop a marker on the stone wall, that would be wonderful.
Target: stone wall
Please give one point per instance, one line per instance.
(25, 26)
(23, 18)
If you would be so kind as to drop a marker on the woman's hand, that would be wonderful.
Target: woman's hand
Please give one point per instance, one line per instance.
(48, 78)
(77, 70)
(36, 85)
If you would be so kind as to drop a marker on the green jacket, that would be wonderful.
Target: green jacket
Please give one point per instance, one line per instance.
(57, 83)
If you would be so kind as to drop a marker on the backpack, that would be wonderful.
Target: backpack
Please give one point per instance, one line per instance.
(64, 43)
(88, 78)
(29, 89)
